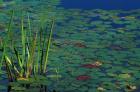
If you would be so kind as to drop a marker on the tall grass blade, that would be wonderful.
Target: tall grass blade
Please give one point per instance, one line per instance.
(11, 64)
(29, 27)
(36, 65)
(41, 61)
(48, 47)
(23, 38)
(29, 24)
(19, 62)
(42, 42)
(9, 72)
(9, 29)
(31, 58)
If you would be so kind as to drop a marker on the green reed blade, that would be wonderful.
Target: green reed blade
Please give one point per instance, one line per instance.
(9, 72)
(28, 53)
(9, 28)
(11, 64)
(42, 43)
(9, 36)
(31, 58)
(28, 57)
(23, 38)
(48, 47)
(18, 58)
(29, 26)
(36, 66)
(41, 61)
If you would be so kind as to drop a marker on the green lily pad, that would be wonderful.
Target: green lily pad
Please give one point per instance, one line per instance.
(54, 76)
(124, 76)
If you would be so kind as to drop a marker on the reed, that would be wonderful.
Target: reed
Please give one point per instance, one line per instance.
(48, 47)
(31, 60)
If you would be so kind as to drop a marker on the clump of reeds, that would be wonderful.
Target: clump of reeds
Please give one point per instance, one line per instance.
(30, 58)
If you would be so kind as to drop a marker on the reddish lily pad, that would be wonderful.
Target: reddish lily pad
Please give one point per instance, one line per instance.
(90, 66)
(83, 77)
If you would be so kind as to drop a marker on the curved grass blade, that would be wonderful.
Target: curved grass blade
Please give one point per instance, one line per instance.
(11, 64)
(9, 72)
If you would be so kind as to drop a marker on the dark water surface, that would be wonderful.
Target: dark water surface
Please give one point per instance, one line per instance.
(102, 4)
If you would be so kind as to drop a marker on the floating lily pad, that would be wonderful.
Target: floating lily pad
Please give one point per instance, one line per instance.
(125, 76)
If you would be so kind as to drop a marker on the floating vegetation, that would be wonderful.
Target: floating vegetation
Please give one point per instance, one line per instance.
(83, 77)
(91, 50)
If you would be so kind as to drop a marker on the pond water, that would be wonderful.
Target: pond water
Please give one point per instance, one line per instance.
(95, 45)
(104, 4)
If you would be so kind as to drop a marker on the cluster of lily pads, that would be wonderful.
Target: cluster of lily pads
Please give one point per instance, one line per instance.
(85, 37)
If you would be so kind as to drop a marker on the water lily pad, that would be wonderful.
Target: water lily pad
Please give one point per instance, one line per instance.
(124, 76)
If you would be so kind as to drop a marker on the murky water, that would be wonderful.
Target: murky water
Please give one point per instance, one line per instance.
(95, 45)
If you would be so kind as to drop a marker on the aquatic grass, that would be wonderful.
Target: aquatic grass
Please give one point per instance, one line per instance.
(37, 61)
(31, 60)
(31, 54)
(29, 26)
(28, 59)
(9, 37)
(9, 72)
(42, 42)
(48, 47)
(23, 39)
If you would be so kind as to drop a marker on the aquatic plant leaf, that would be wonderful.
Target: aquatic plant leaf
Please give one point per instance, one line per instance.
(18, 58)
(124, 76)
(23, 40)
(48, 47)
(9, 29)
(54, 76)
(11, 63)
(31, 58)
